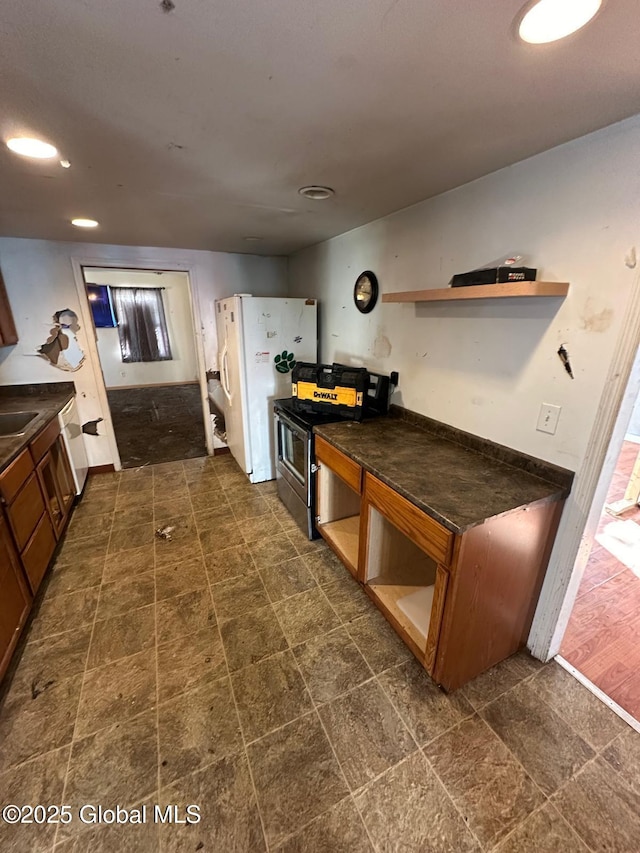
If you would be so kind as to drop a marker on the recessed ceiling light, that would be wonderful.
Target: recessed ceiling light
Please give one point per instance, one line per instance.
(253, 239)
(316, 193)
(28, 147)
(84, 223)
(550, 20)
(65, 164)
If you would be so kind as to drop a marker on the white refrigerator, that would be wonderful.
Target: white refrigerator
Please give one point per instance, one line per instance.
(259, 340)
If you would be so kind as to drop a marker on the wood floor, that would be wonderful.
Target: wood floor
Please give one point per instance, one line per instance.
(603, 637)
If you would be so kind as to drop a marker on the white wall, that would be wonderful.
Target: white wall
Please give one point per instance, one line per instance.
(183, 366)
(486, 367)
(39, 279)
(634, 423)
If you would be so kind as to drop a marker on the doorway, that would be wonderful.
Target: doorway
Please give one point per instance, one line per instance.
(144, 325)
(601, 644)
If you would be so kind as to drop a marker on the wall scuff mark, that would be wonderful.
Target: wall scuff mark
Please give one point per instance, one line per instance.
(596, 321)
(61, 349)
(382, 346)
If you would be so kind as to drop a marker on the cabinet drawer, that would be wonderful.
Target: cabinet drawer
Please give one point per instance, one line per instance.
(432, 537)
(13, 478)
(43, 442)
(36, 556)
(345, 468)
(25, 511)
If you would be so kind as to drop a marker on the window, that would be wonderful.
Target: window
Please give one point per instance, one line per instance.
(142, 326)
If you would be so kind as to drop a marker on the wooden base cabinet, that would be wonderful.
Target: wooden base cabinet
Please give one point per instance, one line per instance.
(461, 602)
(36, 493)
(15, 598)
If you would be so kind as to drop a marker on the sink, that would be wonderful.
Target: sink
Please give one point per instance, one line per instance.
(14, 423)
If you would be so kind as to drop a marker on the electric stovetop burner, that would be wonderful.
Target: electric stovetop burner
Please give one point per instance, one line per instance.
(306, 420)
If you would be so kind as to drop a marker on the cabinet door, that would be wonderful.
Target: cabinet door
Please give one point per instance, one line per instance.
(15, 600)
(57, 485)
(26, 511)
(63, 477)
(37, 555)
(8, 333)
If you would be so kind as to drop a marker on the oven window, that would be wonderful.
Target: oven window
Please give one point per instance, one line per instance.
(293, 451)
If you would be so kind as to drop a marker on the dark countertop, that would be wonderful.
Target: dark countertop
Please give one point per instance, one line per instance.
(47, 399)
(455, 484)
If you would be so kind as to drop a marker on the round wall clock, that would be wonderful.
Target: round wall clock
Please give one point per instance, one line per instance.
(365, 292)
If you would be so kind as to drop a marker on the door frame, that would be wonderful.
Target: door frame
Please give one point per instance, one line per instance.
(78, 263)
(584, 505)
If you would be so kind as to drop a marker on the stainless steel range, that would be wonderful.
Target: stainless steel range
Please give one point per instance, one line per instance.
(295, 472)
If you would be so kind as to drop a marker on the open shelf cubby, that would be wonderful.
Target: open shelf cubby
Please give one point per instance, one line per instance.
(344, 533)
(339, 515)
(401, 577)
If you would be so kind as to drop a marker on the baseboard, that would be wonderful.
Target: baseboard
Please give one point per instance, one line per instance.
(102, 469)
(602, 696)
(220, 451)
(152, 385)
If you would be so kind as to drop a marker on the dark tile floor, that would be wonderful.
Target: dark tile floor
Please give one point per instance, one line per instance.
(239, 668)
(159, 423)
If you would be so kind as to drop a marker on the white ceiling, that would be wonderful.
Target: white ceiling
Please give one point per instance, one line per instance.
(195, 128)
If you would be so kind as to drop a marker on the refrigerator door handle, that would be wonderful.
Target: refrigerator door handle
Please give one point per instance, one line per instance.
(225, 372)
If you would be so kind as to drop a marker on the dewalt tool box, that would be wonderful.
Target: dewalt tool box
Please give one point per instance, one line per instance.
(331, 389)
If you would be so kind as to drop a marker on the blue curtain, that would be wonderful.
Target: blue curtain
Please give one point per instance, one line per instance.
(101, 307)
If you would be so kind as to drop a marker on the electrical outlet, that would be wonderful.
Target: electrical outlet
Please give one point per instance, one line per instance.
(548, 418)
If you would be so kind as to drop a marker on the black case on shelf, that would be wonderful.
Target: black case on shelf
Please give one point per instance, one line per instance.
(494, 275)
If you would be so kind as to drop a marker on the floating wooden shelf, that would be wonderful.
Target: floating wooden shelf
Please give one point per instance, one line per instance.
(482, 291)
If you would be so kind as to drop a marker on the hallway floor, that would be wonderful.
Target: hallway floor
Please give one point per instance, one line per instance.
(602, 640)
(157, 423)
(239, 668)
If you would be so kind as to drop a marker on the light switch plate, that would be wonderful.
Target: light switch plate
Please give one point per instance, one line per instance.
(548, 418)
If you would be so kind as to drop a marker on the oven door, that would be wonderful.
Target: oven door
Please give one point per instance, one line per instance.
(293, 455)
